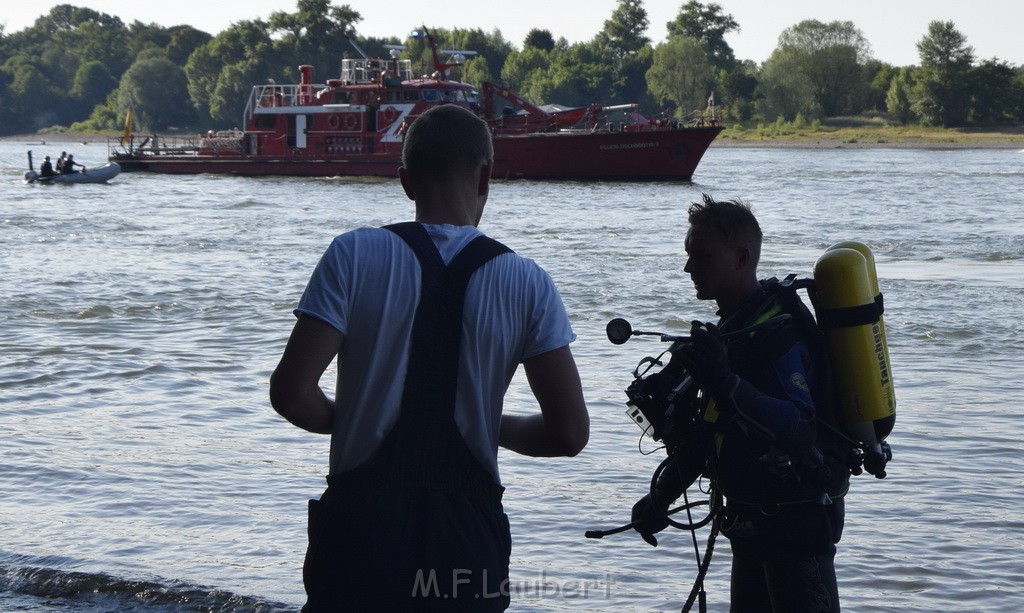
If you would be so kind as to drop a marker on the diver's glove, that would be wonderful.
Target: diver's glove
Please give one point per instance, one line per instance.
(706, 358)
(649, 517)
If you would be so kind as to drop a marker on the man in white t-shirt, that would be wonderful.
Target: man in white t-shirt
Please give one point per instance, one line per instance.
(429, 321)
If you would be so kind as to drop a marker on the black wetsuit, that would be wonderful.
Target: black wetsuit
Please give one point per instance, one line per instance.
(783, 484)
(420, 525)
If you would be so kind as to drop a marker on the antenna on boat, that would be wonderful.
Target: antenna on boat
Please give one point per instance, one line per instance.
(395, 51)
(350, 36)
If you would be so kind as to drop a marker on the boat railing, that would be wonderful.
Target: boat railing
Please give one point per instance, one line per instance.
(222, 143)
(172, 145)
(373, 70)
(274, 96)
(710, 116)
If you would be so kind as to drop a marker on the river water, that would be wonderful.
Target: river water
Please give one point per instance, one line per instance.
(142, 468)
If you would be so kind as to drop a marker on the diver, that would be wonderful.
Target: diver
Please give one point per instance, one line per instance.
(46, 168)
(69, 165)
(758, 439)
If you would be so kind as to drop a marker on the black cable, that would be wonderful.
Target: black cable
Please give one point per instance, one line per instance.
(702, 571)
(698, 583)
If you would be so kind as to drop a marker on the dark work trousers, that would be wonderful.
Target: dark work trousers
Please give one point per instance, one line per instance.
(419, 526)
(784, 563)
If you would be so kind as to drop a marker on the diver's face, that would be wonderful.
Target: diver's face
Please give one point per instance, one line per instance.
(710, 262)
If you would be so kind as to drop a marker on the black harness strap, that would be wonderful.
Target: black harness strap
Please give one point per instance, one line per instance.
(432, 378)
(850, 317)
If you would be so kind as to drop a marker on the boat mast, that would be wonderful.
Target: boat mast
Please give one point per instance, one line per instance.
(458, 57)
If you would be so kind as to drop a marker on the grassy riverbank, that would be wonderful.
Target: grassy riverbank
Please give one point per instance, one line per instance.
(870, 132)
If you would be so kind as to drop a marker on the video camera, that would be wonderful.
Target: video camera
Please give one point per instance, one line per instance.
(664, 403)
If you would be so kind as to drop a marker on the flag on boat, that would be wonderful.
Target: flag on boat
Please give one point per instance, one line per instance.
(128, 125)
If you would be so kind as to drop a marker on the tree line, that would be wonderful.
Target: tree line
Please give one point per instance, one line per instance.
(79, 69)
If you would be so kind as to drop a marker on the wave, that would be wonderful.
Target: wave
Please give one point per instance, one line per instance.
(31, 587)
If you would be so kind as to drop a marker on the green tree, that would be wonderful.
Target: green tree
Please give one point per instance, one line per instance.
(738, 90)
(314, 34)
(72, 35)
(608, 69)
(157, 88)
(27, 87)
(184, 40)
(92, 83)
(229, 96)
(520, 64)
(68, 17)
(143, 36)
(577, 75)
(708, 23)
(539, 39)
(63, 46)
(625, 31)
(784, 91)
(476, 70)
(899, 98)
(242, 49)
(629, 84)
(943, 83)
(106, 117)
(878, 75)
(998, 94)
(681, 74)
(822, 60)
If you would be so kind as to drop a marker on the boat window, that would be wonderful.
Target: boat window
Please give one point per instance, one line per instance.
(431, 95)
(341, 97)
(393, 96)
(266, 122)
(411, 95)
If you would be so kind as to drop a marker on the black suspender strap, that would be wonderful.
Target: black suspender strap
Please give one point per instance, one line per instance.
(432, 376)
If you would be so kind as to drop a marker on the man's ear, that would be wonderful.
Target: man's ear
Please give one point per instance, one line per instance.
(484, 186)
(407, 183)
(742, 257)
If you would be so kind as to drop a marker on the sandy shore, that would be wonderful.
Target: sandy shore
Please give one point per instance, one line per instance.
(45, 139)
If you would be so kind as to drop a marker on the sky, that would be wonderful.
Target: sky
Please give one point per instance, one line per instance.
(892, 27)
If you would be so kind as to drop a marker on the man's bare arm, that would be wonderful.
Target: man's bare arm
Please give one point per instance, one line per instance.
(563, 426)
(295, 385)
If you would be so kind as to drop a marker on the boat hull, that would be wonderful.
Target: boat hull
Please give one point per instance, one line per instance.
(649, 155)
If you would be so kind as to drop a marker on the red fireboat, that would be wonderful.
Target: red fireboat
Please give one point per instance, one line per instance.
(354, 125)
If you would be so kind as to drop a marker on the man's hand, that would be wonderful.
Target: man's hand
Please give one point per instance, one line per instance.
(707, 360)
(649, 517)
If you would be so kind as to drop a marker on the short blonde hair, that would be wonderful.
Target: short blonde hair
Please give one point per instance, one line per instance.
(445, 142)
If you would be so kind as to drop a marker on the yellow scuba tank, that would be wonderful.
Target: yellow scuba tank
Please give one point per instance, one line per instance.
(877, 293)
(849, 311)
